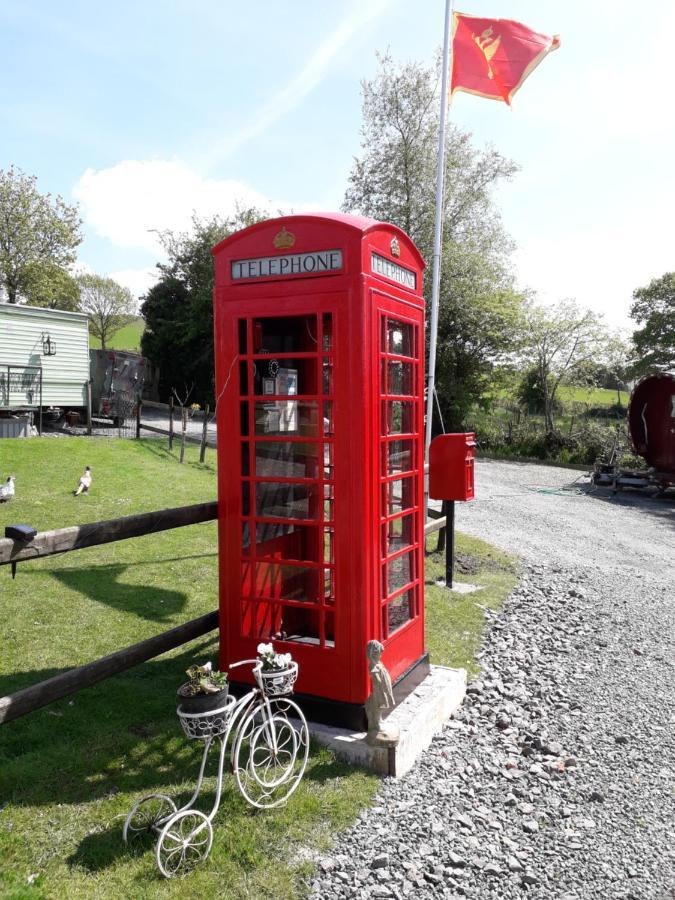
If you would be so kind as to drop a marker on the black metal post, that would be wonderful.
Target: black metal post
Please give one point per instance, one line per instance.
(449, 542)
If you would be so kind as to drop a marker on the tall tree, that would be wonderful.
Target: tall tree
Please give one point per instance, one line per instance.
(108, 305)
(178, 309)
(36, 230)
(51, 286)
(654, 310)
(559, 342)
(394, 180)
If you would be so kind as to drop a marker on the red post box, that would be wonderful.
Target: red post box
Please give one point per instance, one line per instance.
(451, 467)
(319, 330)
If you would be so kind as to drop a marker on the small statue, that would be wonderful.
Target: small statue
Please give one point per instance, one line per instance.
(381, 698)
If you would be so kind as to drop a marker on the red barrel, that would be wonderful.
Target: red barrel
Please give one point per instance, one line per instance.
(651, 421)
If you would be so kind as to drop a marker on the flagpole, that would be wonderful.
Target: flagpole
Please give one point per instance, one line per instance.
(438, 238)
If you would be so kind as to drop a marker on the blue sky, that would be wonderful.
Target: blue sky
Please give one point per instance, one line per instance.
(144, 112)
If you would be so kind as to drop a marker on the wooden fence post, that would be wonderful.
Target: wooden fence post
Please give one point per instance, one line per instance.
(183, 430)
(202, 449)
(170, 423)
(89, 407)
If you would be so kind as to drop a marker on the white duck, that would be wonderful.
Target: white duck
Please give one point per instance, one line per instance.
(7, 490)
(84, 483)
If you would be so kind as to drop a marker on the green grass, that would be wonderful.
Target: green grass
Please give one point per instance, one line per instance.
(591, 396)
(454, 622)
(127, 338)
(70, 772)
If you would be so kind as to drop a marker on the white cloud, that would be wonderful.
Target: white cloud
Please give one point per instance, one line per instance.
(132, 200)
(139, 281)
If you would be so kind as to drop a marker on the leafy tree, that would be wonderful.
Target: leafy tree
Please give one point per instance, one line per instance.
(559, 342)
(178, 309)
(654, 309)
(108, 305)
(51, 286)
(36, 231)
(394, 180)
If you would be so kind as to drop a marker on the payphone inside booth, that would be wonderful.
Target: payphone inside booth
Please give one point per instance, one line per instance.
(319, 327)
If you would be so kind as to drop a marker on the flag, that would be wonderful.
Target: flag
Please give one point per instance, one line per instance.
(493, 57)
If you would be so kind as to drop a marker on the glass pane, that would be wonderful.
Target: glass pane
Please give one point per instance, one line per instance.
(287, 459)
(327, 331)
(285, 335)
(288, 541)
(285, 377)
(327, 377)
(400, 338)
(398, 416)
(287, 582)
(398, 495)
(400, 572)
(328, 468)
(245, 458)
(398, 533)
(243, 377)
(329, 620)
(279, 417)
(246, 538)
(328, 422)
(400, 610)
(328, 545)
(261, 621)
(245, 498)
(328, 591)
(300, 625)
(243, 419)
(278, 500)
(400, 377)
(398, 456)
(242, 336)
(328, 510)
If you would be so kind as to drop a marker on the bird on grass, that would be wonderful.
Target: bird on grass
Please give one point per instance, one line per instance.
(84, 483)
(7, 490)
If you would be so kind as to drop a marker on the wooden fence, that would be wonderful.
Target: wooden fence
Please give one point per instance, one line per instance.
(77, 537)
(182, 435)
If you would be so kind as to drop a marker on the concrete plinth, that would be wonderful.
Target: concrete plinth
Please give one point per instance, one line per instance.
(419, 717)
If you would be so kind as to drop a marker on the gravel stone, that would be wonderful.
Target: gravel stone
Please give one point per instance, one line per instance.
(568, 729)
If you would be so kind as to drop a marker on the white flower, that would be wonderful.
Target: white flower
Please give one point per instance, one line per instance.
(208, 666)
(264, 649)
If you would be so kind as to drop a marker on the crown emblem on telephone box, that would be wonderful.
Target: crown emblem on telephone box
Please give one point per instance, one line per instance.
(395, 248)
(283, 239)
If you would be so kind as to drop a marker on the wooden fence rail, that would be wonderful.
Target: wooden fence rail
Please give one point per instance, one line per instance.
(77, 537)
(37, 695)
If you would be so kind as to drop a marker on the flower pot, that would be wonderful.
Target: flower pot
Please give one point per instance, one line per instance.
(277, 682)
(202, 703)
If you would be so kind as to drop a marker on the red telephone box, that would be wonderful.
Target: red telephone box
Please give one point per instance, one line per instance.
(319, 330)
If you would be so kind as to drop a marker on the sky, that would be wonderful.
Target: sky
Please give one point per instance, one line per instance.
(145, 113)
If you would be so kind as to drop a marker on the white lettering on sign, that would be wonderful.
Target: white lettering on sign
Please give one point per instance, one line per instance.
(383, 266)
(292, 265)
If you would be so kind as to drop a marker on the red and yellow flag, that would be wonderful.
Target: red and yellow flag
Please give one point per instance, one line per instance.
(493, 57)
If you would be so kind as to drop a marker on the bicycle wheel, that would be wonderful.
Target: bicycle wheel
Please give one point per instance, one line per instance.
(146, 815)
(185, 841)
(270, 754)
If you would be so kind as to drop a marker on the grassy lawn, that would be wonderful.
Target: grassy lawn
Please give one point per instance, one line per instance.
(127, 338)
(70, 772)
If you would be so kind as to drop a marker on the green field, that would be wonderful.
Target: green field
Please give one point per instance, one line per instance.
(70, 772)
(127, 338)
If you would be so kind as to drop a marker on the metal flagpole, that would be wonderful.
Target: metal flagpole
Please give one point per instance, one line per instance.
(438, 237)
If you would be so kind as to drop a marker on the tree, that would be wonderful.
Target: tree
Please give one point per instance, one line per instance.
(178, 309)
(559, 342)
(394, 180)
(51, 286)
(36, 230)
(108, 305)
(654, 309)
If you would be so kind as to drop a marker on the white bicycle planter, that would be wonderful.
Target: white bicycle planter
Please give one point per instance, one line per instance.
(270, 745)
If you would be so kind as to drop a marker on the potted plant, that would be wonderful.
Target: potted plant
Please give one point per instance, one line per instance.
(206, 690)
(276, 671)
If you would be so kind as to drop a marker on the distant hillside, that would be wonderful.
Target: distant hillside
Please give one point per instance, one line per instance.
(128, 338)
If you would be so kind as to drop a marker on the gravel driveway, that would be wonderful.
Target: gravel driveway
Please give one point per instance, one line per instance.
(556, 779)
